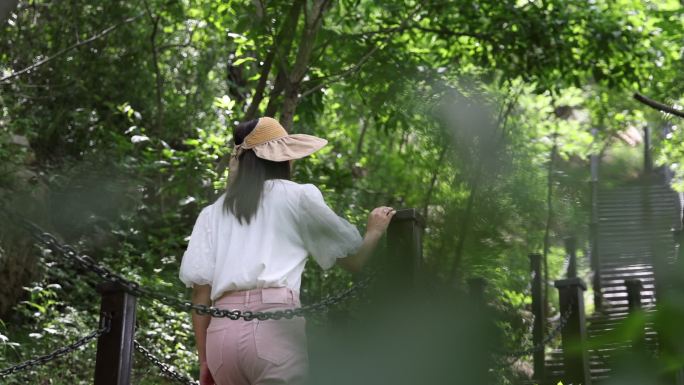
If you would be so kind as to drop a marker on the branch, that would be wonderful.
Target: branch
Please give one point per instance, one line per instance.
(448, 32)
(59, 53)
(185, 44)
(281, 41)
(260, 9)
(439, 31)
(375, 32)
(314, 20)
(403, 27)
(433, 181)
(321, 49)
(658, 105)
(502, 120)
(355, 67)
(352, 69)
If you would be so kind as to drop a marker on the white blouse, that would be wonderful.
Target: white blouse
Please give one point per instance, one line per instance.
(293, 221)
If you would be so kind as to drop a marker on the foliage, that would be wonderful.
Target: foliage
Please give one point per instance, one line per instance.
(126, 133)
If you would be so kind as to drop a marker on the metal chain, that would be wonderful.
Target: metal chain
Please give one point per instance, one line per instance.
(50, 241)
(166, 369)
(104, 328)
(554, 333)
(247, 315)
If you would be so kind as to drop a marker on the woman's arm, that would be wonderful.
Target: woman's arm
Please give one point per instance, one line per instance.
(378, 220)
(201, 295)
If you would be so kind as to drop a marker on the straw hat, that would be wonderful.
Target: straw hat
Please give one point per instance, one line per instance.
(269, 140)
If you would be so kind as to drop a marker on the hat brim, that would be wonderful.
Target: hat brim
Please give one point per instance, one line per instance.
(290, 147)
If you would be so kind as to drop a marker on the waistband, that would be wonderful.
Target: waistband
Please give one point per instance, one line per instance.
(282, 295)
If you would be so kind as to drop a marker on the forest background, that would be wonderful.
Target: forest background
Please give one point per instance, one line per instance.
(115, 117)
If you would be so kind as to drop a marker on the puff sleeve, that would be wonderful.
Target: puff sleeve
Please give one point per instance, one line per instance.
(197, 266)
(325, 235)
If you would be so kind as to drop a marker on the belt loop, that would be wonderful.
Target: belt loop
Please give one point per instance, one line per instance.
(247, 296)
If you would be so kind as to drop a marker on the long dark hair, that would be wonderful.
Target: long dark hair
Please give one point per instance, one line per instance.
(243, 193)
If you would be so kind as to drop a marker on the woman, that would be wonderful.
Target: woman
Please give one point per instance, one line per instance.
(248, 249)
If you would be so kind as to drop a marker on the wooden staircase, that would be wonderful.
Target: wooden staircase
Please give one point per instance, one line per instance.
(635, 240)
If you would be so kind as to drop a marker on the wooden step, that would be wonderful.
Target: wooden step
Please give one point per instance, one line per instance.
(630, 274)
(634, 229)
(631, 267)
(627, 260)
(621, 282)
(617, 287)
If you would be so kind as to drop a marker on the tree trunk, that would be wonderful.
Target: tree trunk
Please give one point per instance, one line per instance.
(280, 58)
(433, 181)
(18, 257)
(281, 47)
(273, 96)
(549, 219)
(313, 22)
(159, 81)
(18, 261)
(502, 123)
(463, 232)
(362, 136)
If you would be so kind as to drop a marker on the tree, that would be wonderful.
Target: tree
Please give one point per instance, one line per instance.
(126, 109)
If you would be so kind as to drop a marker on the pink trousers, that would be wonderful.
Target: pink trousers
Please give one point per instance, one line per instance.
(258, 352)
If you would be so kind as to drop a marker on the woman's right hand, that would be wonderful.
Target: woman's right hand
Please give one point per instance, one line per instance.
(205, 376)
(379, 219)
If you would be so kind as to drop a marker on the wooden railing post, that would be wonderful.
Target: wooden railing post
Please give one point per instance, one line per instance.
(594, 227)
(670, 339)
(634, 287)
(648, 158)
(678, 272)
(115, 349)
(476, 289)
(405, 246)
(574, 333)
(678, 234)
(571, 252)
(539, 316)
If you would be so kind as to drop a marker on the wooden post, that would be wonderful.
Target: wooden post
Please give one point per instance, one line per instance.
(574, 334)
(115, 349)
(648, 158)
(678, 235)
(476, 289)
(668, 348)
(571, 251)
(539, 316)
(634, 287)
(405, 246)
(594, 226)
(673, 340)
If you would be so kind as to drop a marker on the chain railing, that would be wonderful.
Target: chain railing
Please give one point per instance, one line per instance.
(71, 255)
(50, 241)
(104, 328)
(550, 337)
(166, 369)
(508, 358)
